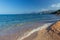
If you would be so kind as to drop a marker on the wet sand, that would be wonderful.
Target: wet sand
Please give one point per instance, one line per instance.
(18, 31)
(50, 33)
(33, 33)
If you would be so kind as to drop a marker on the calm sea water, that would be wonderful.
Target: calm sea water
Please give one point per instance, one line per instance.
(7, 20)
(19, 22)
(28, 17)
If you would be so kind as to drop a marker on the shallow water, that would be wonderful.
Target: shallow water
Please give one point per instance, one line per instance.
(15, 20)
(22, 23)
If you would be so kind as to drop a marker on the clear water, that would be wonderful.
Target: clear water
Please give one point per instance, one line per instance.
(14, 23)
(28, 17)
(7, 20)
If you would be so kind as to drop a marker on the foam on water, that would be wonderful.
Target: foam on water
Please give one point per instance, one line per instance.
(34, 30)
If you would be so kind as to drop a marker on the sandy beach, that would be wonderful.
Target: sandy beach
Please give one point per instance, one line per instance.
(20, 31)
(50, 33)
(34, 31)
(29, 19)
(47, 31)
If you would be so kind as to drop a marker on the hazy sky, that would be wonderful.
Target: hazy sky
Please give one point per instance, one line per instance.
(26, 6)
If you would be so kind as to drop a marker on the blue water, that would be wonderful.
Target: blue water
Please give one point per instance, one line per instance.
(27, 17)
(8, 20)
(14, 23)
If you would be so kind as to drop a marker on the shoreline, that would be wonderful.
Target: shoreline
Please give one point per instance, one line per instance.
(35, 30)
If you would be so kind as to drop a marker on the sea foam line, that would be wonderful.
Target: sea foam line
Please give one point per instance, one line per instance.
(35, 30)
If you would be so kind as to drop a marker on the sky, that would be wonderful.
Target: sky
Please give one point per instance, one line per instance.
(27, 6)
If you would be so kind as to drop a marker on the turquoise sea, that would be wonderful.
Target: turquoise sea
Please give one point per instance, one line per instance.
(14, 23)
(27, 17)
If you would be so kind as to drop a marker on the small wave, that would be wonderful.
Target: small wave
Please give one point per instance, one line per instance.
(35, 30)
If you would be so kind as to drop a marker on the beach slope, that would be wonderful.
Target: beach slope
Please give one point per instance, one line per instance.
(50, 33)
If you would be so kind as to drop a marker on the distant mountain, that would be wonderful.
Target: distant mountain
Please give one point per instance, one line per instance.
(56, 12)
(47, 12)
(44, 12)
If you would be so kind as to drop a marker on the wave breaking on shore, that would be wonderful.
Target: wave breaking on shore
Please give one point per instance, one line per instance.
(35, 30)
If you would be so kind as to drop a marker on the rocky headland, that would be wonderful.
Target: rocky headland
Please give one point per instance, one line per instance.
(56, 12)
